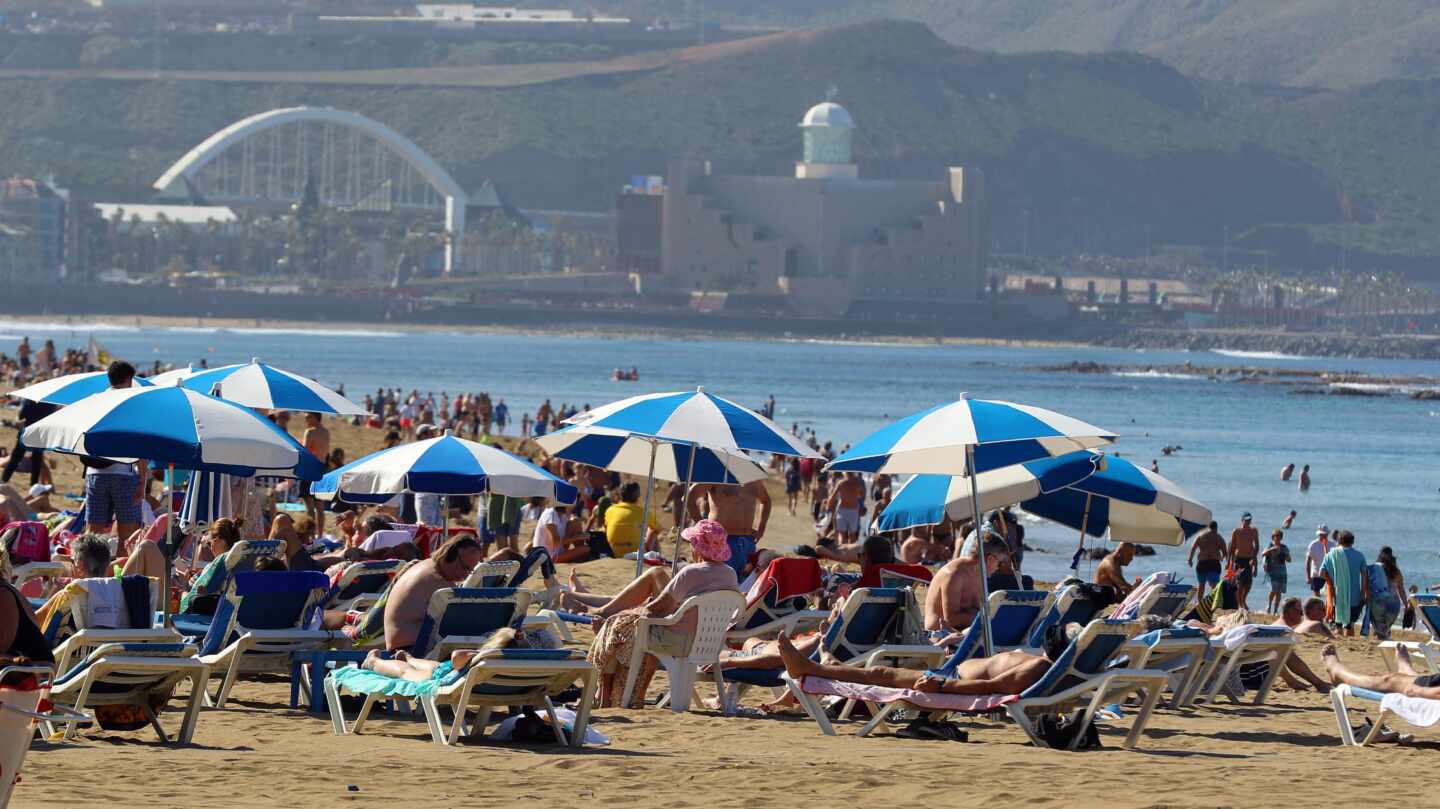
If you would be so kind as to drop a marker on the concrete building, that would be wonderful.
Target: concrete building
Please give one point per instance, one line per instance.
(827, 238)
(36, 210)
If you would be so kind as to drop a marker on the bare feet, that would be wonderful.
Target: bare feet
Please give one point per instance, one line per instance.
(370, 660)
(795, 662)
(1403, 664)
(574, 581)
(1330, 659)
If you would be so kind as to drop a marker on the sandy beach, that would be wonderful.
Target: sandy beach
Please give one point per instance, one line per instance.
(260, 753)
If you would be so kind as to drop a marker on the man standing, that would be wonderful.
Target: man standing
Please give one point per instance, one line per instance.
(1344, 572)
(114, 490)
(1244, 549)
(844, 503)
(1209, 546)
(317, 440)
(1315, 557)
(30, 412)
(1305, 478)
(734, 507)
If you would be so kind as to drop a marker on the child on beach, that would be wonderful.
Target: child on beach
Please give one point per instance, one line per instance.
(1275, 558)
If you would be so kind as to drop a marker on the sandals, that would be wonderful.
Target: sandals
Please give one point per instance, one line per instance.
(923, 728)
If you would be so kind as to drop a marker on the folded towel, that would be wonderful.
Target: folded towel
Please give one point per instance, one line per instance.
(1419, 712)
(969, 703)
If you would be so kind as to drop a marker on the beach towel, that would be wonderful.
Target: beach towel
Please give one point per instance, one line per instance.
(1422, 713)
(792, 577)
(1130, 607)
(385, 539)
(364, 681)
(105, 604)
(968, 703)
(1232, 638)
(1345, 570)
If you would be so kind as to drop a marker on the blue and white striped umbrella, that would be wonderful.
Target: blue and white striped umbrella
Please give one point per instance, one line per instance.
(446, 465)
(630, 455)
(71, 388)
(936, 441)
(1132, 504)
(929, 499)
(207, 499)
(171, 376)
(173, 426)
(687, 417)
(255, 384)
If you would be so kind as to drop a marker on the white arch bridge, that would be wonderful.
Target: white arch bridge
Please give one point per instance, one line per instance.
(354, 162)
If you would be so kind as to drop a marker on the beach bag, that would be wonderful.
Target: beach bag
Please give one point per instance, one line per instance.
(27, 542)
(531, 729)
(129, 717)
(1059, 732)
(1225, 596)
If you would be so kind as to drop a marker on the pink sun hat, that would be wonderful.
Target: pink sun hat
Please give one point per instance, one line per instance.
(708, 538)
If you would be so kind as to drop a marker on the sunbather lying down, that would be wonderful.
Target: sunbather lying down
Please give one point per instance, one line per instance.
(1405, 681)
(417, 669)
(1004, 673)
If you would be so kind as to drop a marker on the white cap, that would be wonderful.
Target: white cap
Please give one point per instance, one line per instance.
(39, 489)
(1322, 528)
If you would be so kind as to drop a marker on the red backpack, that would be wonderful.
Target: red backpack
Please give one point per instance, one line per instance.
(27, 542)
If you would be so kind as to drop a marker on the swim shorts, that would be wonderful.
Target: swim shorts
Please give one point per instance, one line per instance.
(847, 520)
(1207, 571)
(111, 498)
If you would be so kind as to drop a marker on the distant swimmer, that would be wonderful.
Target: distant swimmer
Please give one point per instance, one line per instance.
(1289, 520)
(1155, 466)
(1286, 473)
(1305, 478)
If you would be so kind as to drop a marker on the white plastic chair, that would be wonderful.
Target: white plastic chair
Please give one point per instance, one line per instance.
(714, 613)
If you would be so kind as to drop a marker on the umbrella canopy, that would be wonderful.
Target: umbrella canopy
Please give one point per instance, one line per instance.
(935, 441)
(207, 499)
(447, 466)
(173, 426)
(1131, 503)
(929, 499)
(71, 388)
(169, 377)
(255, 384)
(630, 454)
(694, 417)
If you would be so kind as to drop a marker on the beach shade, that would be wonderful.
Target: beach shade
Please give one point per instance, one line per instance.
(207, 499)
(255, 384)
(970, 437)
(176, 428)
(166, 378)
(445, 466)
(71, 388)
(606, 438)
(929, 499)
(1130, 503)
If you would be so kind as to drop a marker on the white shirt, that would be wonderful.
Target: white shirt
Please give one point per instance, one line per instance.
(1316, 554)
(541, 539)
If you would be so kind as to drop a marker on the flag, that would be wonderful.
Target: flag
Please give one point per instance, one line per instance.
(97, 355)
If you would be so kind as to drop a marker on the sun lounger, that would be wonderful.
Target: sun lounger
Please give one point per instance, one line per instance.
(1183, 653)
(1415, 711)
(1081, 677)
(778, 600)
(1167, 601)
(497, 677)
(463, 617)
(262, 620)
(241, 558)
(1243, 646)
(860, 635)
(361, 583)
(1013, 616)
(73, 638)
(1069, 605)
(132, 674)
(1424, 655)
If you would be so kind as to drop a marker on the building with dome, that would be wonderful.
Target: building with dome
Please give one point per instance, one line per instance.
(827, 241)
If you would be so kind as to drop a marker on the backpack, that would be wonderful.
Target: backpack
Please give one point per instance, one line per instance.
(27, 542)
(1059, 732)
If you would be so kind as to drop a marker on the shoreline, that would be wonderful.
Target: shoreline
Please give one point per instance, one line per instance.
(1237, 343)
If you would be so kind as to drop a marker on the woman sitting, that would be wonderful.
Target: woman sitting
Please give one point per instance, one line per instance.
(615, 629)
(204, 594)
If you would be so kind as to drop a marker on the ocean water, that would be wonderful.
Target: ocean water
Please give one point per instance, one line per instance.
(1373, 461)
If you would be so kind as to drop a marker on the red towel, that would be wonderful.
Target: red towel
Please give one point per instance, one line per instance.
(870, 576)
(791, 577)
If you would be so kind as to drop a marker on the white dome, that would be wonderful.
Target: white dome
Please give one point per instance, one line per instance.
(828, 114)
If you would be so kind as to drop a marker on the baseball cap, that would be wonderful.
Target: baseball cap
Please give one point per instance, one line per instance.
(1245, 516)
(1322, 528)
(39, 489)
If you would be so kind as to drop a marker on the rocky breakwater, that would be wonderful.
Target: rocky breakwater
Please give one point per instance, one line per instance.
(1300, 345)
(1301, 381)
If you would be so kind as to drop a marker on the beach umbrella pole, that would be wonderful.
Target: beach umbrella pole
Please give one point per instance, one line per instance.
(645, 511)
(980, 549)
(1084, 524)
(169, 557)
(685, 503)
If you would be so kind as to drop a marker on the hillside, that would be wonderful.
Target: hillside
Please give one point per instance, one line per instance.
(1100, 153)
(1302, 43)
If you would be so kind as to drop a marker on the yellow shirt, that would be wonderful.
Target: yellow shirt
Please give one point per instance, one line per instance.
(622, 527)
